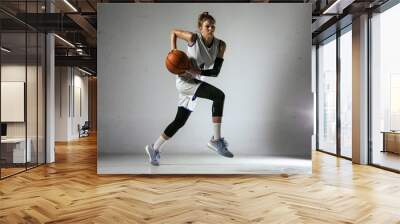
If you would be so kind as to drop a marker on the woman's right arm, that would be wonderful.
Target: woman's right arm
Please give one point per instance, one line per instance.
(184, 35)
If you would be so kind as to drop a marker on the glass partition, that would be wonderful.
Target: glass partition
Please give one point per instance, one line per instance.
(14, 153)
(22, 88)
(32, 96)
(41, 87)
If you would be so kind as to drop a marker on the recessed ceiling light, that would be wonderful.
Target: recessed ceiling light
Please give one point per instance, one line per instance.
(86, 72)
(338, 6)
(64, 40)
(5, 49)
(70, 5)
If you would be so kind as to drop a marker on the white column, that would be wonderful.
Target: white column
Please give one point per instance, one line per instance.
(360, 90)
(50, 92)
(314, 91)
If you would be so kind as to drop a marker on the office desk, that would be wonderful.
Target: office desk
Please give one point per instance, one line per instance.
(391, 141)
(13, 150)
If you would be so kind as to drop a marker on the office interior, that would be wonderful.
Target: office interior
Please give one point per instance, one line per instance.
(33, 52)
(33, 64)
(49, 80)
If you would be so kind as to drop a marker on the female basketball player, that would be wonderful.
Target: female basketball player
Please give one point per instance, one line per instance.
(205, 53)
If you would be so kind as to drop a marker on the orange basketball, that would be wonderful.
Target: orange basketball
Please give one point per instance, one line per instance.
(177, 62)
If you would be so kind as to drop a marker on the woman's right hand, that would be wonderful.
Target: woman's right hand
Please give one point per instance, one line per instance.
(193, 70)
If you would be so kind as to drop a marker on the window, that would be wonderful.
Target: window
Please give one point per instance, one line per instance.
(346, 75)
(385, 88)
(327, 96)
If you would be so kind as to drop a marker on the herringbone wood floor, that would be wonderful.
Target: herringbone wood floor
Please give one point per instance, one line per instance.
(70, 191)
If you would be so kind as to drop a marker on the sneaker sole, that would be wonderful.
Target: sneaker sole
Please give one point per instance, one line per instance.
(148, 154)
(216, 150)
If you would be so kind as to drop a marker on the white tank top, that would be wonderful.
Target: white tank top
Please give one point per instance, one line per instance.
(201, 56)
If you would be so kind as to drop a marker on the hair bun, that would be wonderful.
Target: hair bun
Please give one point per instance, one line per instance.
(203, 17)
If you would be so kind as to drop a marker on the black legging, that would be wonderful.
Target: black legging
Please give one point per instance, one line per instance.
(206, 91)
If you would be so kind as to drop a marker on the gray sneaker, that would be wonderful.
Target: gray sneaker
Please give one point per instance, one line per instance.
(154, 155)
(220, 146)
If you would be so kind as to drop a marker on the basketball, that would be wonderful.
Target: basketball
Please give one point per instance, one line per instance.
(177, 62)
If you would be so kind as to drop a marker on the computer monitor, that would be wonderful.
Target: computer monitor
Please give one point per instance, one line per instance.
(3, 129)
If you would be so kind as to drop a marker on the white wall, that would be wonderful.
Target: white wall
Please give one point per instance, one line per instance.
(81, 84)
(67, 80)
(33, 126)
(62, 80)
(266, 78)
(11, 73)
(16, 72)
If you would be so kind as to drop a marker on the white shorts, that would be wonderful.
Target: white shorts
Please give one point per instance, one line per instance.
(186, 90)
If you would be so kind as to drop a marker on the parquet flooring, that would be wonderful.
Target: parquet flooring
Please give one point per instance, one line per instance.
(70, 191)
(10, 171)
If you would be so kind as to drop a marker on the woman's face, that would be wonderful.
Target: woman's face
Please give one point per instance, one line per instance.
(207, 29)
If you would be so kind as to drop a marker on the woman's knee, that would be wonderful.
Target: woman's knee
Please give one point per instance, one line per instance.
(173, 127)
(220, 95)
(180, 120)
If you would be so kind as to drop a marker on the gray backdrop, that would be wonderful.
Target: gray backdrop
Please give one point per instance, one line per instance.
(266, 77)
